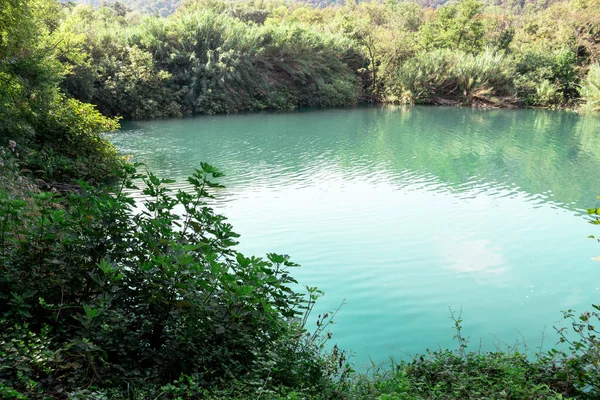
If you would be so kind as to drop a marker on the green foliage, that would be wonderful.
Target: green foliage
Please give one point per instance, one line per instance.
(456, 27)
(218, 56)
(132, 87)
(441, 76)
(460, 374)
(547, 79)
(33, 111)
(564, 72)
(446, 374)
(546, 95)
(590, 91)
(200, 61)
(93, 292)
(581, 364)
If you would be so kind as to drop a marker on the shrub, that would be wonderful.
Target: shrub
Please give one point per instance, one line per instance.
(443, 76)
(546, 79)
(581, 364)
(460, 374)
(93, 293)
(34, 112)
(547, 94)
(206, 62)
(590, 90)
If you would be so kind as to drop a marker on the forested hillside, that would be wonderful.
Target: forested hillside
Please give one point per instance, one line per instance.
(158, 7)
(217, 56)
(166, 7)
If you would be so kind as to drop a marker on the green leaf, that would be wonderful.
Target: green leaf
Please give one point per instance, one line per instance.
(89, 311)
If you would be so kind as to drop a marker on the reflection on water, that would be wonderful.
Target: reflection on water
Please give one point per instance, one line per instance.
(405, 212)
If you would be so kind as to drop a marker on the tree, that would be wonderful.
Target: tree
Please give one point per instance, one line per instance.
(456, 27)
(33, 111)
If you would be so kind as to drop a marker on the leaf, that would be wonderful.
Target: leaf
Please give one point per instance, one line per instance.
(89, 311)
(154, 180)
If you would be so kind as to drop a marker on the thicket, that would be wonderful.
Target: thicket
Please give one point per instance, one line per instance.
(591, 88)
(215, 56)
(207, 61)
(58, 137)
(98, 297)
(451, 77)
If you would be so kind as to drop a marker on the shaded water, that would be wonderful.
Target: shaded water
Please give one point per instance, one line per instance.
(406, 212)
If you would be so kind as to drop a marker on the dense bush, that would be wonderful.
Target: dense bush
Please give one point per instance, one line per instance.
(219, 56)
(581, 362)
(547, 78)
(201, 61)
(58, 138)
(590, 90)
(443, 76)
(510, 372)
(96, 294)
(446, 374)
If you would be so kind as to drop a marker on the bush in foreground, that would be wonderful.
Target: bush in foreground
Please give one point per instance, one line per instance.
(96, 295)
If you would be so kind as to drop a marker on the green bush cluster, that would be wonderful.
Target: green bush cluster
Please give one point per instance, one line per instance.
(507, 373)
(443, 75)
(203, 61)
(444, 374)
(222, 56)
(215, 56)
(94, 293)
(57, 137)
(590, 90)
(547, 79)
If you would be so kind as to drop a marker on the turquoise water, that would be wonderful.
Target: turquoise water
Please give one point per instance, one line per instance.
(404, 213)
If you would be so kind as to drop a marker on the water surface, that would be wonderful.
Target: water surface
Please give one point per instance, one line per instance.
(407, 212)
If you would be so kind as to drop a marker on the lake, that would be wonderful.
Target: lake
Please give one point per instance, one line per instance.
(405, 212)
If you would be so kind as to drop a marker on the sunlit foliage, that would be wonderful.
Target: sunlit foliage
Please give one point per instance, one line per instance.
(58, 137)
(213, 56)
